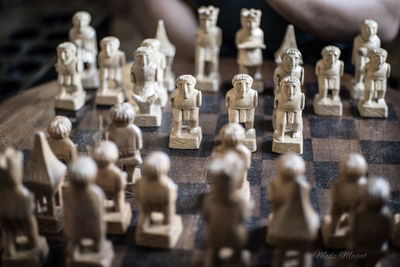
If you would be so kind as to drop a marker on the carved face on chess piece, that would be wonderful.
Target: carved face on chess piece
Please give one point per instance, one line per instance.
(377, 57)
(66, 52)
(81, 20)
(185, 84)
(368, 29)
(250, 18)
(290, 59)
(208, 17)
(109, 45)
(290, 89)
(330, 55)
(142, 55)
(242, 84)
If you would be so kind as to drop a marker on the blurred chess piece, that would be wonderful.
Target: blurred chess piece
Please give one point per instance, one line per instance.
(84, 37)
(159, 226)
(289, 41)
(59, 132)
(21, 243)
(185, 101)
(113, 181)
(69, 69)
(208, 43)
(241, 102)
(85, 228)
(249, 41)
(329, 71)
(111, 60)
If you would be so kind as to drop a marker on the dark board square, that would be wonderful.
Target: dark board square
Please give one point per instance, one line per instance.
(254, 175)
(268, 105)
(165, 127)
(265, 206)
(222, 120)
(147, 257)
(337, 128)
(383, 152)
(325, 173)
(394, 202)
(85, 138)
(190, 198)
(211, 104)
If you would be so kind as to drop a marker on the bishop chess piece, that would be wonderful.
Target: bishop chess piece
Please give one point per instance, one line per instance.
(159, 226)
(84, 37)
(376, 72)
(161, 62)
(208, 43)
(241, 102)
(85, 228)
(59, 131)
(21, 244)
(111, 60)
(44, 176)
(346, 194)
(289, 103)
(329, 70)
(249, 41)
(168, 49)
(69, 69)
(232, 138)
(363, 43)
(113, 181)
(128, 138)
(145, 95)
(289, 41)
(226, 212)
(294, 225)
(185, 101)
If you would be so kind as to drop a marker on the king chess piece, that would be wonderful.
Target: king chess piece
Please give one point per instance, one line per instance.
(289, 41)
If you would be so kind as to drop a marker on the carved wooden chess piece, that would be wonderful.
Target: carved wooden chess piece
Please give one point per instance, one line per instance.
(208, 43)
(185, 101)
(346, 194)
(241, 102)
(249, 41)
(85, 228)
(84, 37)
(289, 41)
(44, 176)
(376, 72)
(111, 60)
(21, 243)
(329, 70)
(69, 69)
(113, 181)
(226, 212)
(59, 131)
(143, 77)
(363, 43)
(289, 103)
(158, 226)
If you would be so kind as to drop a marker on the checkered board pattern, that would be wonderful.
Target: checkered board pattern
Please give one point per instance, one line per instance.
(326, 139)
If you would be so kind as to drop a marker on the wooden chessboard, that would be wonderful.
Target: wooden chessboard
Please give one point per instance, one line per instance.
(326, 139)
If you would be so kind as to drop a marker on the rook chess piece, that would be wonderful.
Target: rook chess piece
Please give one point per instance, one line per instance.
(185, 101)
(84, 217)
(158, 224)
(59, 142)
(289, 41)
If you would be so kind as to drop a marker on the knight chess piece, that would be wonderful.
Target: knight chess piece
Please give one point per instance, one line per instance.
(241, 102)
(113, 181)
(185, 101)
(249, 41)
(145, 96)
(289, 103)
(208, 43)
(59, 131)
(44, 176)
(289, 41)
(85, 228)
(69, 69)
(375, 72)
(363, 43)
(158, 226)
(84, 37)
(329, 70)
(21, 244)
(111, 60)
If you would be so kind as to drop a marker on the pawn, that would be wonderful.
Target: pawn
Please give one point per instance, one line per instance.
(346, 194)
(17, 216)
(185, 101)
(159, 226)
(232, 137)
(226, 212)
(59, 142)
(113, 181)
(84, 217)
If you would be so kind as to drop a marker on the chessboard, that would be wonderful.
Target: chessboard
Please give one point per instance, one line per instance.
(326, 140)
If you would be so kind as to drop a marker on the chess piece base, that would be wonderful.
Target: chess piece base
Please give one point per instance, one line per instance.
(159, 236)
(117, 221)
(109, 99)
(250, 142)
(208, 84)
(74, 102)
(337, 240)
(396, 234)
(186, 140)
(90, 79)
(357, 90)
(258, 85)
(51, 224)
(327, 108)
(28, 258)
(373, 110)
(288, 144)
(102, 258)
(149, 120)
(226, 260)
